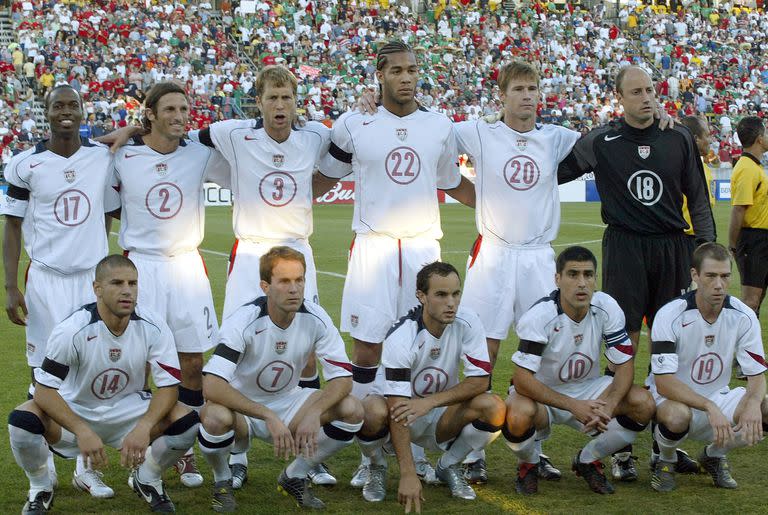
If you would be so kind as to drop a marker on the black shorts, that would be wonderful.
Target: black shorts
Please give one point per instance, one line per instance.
(752, 257)
(644, 272)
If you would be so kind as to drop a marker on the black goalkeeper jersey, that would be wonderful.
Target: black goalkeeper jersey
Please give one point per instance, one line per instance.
(642, 175)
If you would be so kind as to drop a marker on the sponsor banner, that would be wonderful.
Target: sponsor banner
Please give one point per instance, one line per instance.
(3, 189)
(344, 193)
(215, 196)
(723, 190)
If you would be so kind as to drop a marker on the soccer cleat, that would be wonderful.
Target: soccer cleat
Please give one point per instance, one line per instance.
(300, 488)
(684, 465)
(153, 493)
(426, 472)
(663, 477)
(476, 473)
(239, 475)
(453, 476)
(527, 481)
(320, 475)
(719, 469)
(38, 505)
(189, 473)
(547, 470)
(223, 500)
(360, 477)
(90, 481)
(593, 474)
(623, 466)
(375, 487)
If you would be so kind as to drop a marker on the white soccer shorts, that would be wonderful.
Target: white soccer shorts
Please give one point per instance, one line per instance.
(285, 405)
(50, 298)
(178, 289)
(243, 272)
(381, 283)
(503, 282)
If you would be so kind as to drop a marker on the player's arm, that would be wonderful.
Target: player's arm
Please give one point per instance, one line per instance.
(624, 376)
(409, 488)
(579, 161)
(308, 427)
(741, 198)
(218, 390)
(464, 192)
(120, 137)
(408, 410)
(322, 184)
(136, 442)
(14, 299)
(736, 223)
(749, 415)
(696, 190)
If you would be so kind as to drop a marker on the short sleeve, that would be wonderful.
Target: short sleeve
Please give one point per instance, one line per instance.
(742, 187)
(749, 347)
(618, 348)
(448, 175)
(330, 350)
(112, 191)
(397, 359)
(163, 357)
(531, 329)
(474, 346)
(217, 170)
(566, 141)
(231, 346)
(221, 136)
(14, 202)
(337, 161)
(467, 138)
(664, 358)
(60, 357)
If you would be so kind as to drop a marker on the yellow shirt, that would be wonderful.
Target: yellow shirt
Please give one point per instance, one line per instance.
(710, 194)
(749, 187)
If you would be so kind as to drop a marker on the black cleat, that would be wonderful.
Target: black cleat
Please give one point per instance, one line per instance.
(623, 467)
(239, 475)
(223, 500)
(593, 474)
(300, 488)
(40, 504)
(547, 470)
(719, 469)
(476, 473)
(663, 477)
(684, 464)
(154, 494)
(527, 481)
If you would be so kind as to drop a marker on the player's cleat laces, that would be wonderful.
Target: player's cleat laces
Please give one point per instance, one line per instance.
(453, 476)
(623, 466)
(189, 473)
(223, 500)
(476, 472)
(719, 469)
(300, 488)
(547, 470)
(375, 487)
(39, 504)
(90, 481)
(527, 481)
(320, 475)
(239, 475)
(593, 474)
(153, 493)
(663, 476)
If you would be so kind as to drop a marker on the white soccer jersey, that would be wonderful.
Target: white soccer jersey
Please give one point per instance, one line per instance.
(700, 354)
(163, 204)
(62, 201)
(560, 351)
(271, 181)
(261, 360)
(416, 363)
(399, 163)
(93, 368)
(516, 179)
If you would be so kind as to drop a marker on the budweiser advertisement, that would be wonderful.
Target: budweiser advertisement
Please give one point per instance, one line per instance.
(344, 193)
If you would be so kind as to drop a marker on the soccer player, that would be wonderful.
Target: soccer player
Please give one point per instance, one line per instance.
(252, 388)
(89, 393)
(748, 231)
(400, 156)
(58, 192)
(421, 397)
(558, 381)
(701, 136)
(160, 179)
(694, 342)
(642, 174)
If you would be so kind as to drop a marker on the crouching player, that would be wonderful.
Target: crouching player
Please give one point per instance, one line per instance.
(558, 381)
(89, 394)
(251, 384)
(423, 400)
(694, 341)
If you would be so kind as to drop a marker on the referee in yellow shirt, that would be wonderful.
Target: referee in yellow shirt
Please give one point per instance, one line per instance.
(701, 134)
(748, 233)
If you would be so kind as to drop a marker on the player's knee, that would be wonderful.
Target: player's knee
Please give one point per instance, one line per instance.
(216, 419)
(641, 404)
(351, 410)
(376, 414)
(520, 414)
(491, 408)
(676, 416)
(25, 420)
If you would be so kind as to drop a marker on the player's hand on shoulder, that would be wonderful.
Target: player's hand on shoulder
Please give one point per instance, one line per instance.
(120, 137)
(367, 103)
(407, 411)
(14, 302)
(409, 493)
(134, 447)
(306, 435)
(493, 117)
(665, 120)
(91, 447)
(282, 439)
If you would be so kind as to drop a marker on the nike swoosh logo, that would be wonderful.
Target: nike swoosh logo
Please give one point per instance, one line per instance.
(89, 338)
(367, 123)
(689, 323)
(259, 332)
(128, 156)
(34, 165)
(147, 497)
(249, 138)
(611, 138)
(557, 329)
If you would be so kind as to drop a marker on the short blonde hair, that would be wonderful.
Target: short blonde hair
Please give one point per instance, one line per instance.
(268, 261)
(516, 69)
(278, 76)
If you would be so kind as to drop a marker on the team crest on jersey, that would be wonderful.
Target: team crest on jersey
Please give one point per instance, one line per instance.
(709, 340)
(114, 355)
(644, 151)
(402, 134)
(522, 144)
(280, 347)
(578, 338)
(278, 160)
(161, 169)
(354, 320)
(434, 352)
(69, 176)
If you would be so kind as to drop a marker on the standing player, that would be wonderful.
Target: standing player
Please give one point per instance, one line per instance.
(89, 393)
(642, 174)
(160, 179)
(400, 156)
(557, 379)
(701, 136)
(252, 386)
(58, 192)
(422, 399)
(695, 339)
(748, 232)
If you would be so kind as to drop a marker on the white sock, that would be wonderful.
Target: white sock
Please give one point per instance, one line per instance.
(371, 449)
(714, 451)
(621, 432)
(80, 466)
(418, 453)
(525, 447)
(238, 458)
(475, 456)
(331, 438)
(31, 453)
(216, 449)
(473, 437)
(668, 442)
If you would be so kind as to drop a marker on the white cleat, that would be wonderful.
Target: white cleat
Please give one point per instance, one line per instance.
(90, 481)
(426, 472)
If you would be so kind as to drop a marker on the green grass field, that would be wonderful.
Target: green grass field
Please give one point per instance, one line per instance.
(581, 224)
